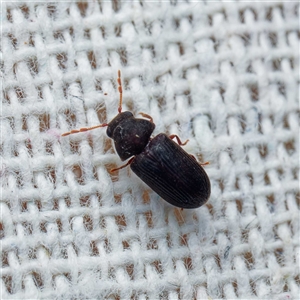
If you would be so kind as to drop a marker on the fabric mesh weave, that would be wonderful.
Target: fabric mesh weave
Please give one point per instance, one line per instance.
(224, 75)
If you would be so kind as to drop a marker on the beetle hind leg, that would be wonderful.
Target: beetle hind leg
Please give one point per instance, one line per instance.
(201, 164)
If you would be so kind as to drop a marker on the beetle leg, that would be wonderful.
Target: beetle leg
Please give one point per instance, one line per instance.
(124, 166)
(178, 139)
(120, 91)
(146, 116)
(193, 157)
(83, 129)
(201, 164)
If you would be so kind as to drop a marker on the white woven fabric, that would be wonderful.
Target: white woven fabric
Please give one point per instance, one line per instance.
(223, 75)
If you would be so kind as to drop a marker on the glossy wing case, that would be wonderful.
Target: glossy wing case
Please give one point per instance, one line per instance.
(172, 173)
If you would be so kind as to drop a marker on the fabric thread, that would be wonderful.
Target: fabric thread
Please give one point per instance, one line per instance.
(224, 75)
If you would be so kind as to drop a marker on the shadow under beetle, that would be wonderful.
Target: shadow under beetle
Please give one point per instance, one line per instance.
(162, 164)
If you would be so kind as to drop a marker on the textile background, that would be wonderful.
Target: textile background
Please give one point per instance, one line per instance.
(224, 75)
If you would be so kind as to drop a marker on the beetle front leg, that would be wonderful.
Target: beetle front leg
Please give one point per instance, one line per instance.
(180, 143)
(147, 116)
(124, 166)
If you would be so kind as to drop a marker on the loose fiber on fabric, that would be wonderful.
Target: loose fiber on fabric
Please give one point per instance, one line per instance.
(224, 75)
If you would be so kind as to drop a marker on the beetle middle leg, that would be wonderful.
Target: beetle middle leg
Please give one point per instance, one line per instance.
(122, 167)
(180, 143)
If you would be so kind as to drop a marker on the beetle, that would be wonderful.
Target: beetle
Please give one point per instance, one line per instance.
(161, 163)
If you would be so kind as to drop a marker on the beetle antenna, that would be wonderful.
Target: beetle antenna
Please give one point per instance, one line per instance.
(83, 129)
(120, 91)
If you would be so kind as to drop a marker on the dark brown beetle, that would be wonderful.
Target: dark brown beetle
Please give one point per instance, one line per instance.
(161, 163)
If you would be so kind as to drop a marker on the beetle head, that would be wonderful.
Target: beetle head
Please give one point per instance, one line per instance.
(116, 121)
